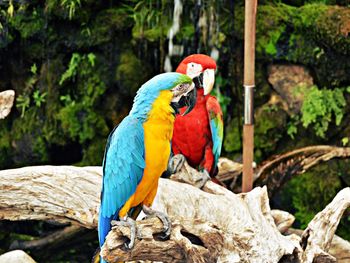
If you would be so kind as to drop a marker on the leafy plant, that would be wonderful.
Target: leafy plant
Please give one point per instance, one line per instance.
(10, 9)
(319, 106)
(78, 117)
(71, 6)
(345, 141)
(34, 69)
(292, 126)
(72, 68)
(39, 98)
(22, 102)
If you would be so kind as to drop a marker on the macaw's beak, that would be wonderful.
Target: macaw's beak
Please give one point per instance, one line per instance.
(208, 80)
(187, 99)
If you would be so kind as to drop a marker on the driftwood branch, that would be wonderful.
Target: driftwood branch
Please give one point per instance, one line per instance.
(278, 169)
(56, 237)
(340, 248)
(210, 225)
(60, 193)
(190, 241)
(317, 237)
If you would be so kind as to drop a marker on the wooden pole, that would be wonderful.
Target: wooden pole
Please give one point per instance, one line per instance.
(249, 84)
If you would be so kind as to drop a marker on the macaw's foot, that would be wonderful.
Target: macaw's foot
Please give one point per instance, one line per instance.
(128, 222)
(203, 179)
(163, 217)
(175, 163)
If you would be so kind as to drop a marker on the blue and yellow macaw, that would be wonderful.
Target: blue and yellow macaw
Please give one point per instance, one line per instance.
(138, 150)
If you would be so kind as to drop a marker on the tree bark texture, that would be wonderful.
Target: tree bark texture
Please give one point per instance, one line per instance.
(209, 225)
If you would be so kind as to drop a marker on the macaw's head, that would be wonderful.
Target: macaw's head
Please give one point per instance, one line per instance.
(180, 86)
(201, 68)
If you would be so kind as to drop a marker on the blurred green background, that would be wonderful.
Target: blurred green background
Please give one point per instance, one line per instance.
(76, 65)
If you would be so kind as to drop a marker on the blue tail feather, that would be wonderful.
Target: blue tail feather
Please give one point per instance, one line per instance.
(104, 226)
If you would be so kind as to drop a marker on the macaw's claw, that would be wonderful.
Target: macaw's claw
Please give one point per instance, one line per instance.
(175, 163)
(163, 217)
(128, 222)
(204, 178)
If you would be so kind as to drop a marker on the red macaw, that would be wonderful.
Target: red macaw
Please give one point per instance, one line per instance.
(198, 135)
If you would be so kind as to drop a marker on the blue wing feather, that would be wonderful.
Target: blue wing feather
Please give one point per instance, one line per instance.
(216, 126)
(123, 166)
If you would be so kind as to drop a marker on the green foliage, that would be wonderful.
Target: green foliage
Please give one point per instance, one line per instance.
(78, 116)
(307, 194)
(93, 154)
(71, 6)
(22, 103)
(39, 98)
(312, 191)
(232, 140)
(270, 121)
(292, 126)
(72, 68)
(345, 141)
(129, 74)
(5, 144)
(149, 22)
(28, 22)
(319, 106)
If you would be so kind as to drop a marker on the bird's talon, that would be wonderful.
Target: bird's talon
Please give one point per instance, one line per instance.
(163, 217)
(204, 179)
(127, 222)
(175, 163)
(116, 223)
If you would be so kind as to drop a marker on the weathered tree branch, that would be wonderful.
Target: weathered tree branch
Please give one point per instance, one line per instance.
(189, 242)
(61, 193)
(210, 225)
(278, 169)
(340, 248)
(56, 237)
(317, 237)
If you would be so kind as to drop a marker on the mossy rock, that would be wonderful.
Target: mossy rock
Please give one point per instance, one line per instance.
(328, 25)
(270, 126)
(314, 35)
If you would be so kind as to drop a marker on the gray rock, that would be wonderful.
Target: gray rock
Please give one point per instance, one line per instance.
(290, 82)
(16, 256)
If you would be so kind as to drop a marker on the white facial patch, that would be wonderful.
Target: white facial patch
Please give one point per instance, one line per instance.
(193, 70)
(208, 80)
(181, 90)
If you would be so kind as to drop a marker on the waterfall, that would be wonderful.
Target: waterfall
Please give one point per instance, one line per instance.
(175, 27)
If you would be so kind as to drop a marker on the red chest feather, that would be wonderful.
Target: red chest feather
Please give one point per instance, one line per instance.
(192, 132)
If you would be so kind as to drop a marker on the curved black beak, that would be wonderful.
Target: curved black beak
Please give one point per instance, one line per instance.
(188, 100)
